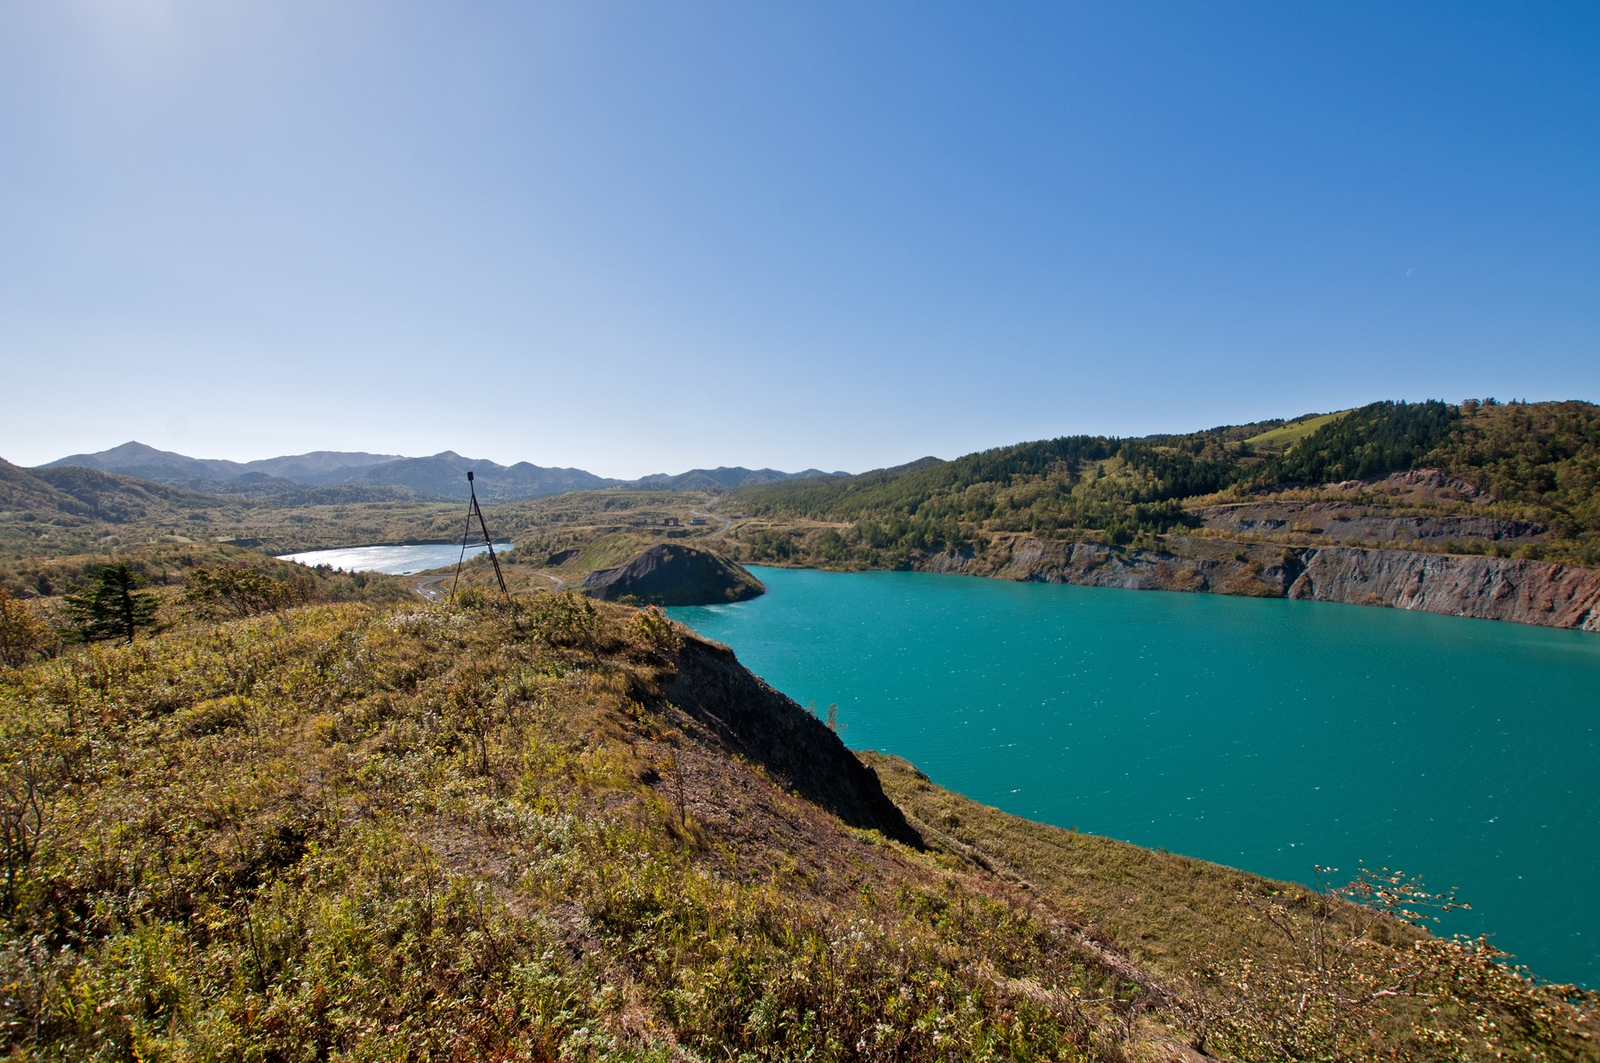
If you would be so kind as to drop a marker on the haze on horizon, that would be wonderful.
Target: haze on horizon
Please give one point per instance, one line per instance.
(634, 238)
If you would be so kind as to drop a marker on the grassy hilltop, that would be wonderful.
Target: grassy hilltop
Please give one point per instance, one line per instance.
(573, 830)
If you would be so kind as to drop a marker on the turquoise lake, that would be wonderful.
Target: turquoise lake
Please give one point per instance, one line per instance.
(1267, 735)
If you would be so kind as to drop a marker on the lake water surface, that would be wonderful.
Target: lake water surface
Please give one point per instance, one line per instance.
(1267, 735)
(393, 560)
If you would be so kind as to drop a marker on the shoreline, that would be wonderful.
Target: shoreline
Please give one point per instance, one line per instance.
(1515, 590)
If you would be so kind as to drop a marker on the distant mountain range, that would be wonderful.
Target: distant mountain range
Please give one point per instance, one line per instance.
(440, 476)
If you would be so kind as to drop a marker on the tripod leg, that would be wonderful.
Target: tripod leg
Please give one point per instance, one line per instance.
(490, 544)
(465, 535)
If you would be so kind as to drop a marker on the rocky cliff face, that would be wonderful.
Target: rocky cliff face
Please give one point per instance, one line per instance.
(1337, 521)
(1489, 588)
(1192, 565)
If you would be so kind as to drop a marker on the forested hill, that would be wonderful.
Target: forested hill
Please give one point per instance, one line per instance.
(1538, 461)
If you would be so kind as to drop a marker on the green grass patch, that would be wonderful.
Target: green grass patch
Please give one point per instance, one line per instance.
(1289, 435)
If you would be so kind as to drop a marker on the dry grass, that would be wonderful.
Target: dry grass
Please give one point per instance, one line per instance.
(1169, 912)
(1202, 933)
(432, 833)
(561, 830)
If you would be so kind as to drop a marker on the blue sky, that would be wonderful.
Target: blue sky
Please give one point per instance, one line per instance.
(640, 237)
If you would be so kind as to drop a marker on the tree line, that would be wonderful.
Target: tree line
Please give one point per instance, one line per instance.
(1546, 454)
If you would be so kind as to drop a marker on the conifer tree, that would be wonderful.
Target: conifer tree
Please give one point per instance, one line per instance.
(111, 606)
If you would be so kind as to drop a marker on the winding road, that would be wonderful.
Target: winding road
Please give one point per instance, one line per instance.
(427, 587)
(727, 522)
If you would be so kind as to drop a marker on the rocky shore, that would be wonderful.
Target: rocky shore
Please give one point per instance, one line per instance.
(1489, 588)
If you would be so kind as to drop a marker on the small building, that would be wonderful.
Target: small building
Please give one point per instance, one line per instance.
(697, 520)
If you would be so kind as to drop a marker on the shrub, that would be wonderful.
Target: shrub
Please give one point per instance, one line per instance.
(651, 626)
(234, 590)
(22, 633)
(213, 716)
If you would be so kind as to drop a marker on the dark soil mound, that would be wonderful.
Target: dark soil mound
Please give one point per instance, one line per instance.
(674, 574)
(739, 711)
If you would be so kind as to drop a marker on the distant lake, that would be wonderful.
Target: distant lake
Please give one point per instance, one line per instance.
(1267, 735)
(393, 560)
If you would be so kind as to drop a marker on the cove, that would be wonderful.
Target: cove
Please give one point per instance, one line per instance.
(1267, 735)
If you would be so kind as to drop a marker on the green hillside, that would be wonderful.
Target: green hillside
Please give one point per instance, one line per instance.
(1537, 462)
(1545, 455)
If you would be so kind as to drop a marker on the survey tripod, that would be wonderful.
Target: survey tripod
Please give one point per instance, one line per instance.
(474, 510)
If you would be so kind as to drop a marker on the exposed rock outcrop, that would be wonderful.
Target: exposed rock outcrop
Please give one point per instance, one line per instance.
(1338, 520)
(674, 574)
(1032, 560)
(1491, 588)
(1432, 483)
